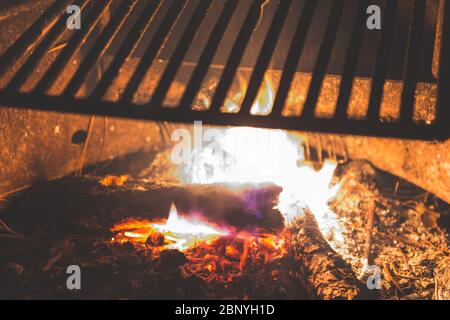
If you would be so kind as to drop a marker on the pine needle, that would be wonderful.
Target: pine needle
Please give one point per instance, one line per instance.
(10, 233)
(5, 196)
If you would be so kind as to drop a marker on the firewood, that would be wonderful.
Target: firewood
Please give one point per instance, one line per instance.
(369, 232)
(85, 205)
(239, 206)
(89, 205)
(321, 269)
(442, 280)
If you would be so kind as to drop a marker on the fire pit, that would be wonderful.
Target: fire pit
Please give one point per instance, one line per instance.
(194, 230)
(279, 166)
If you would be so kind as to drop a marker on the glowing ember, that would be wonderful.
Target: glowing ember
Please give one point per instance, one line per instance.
(176, 233)
(227, 258)
(212, 255)
(114, 181)
(185, 233)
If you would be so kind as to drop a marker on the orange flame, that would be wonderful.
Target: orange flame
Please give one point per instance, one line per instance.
(257, 156)
(263, 103)
(176, 233)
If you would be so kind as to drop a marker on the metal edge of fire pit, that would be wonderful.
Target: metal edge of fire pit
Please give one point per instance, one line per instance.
(425, 164)
(36, 145)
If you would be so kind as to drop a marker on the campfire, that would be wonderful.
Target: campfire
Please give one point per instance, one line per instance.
(215, 251)
(250, 206)
(212, 255)
(237, 206)
(176, 233)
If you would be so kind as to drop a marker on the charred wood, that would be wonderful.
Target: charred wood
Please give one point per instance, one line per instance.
(442, 281)
(241, 206)
(322, 270)
(87, 205)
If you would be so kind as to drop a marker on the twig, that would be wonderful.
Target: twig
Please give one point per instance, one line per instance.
(411, 242)
(369, 232)
(407, 277)
(6, 195)
(398, 275)
(261, 15)
(406, 260)
(244, 256)
(58, 47)
(9, 236)
(436, 289)
(397, 187)
(26, 279)
(11, 232)
(392, 280)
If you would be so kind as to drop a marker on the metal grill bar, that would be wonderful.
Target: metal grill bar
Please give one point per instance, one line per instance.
(62, 60)
(29, 51)
(208, 54)
(353, 52)
(152, 50)
(412, 61)
(236, 55)
(132, 42)
(266, 54)
(180, 52)
(294, 54)
(323, 60)
(384, 48)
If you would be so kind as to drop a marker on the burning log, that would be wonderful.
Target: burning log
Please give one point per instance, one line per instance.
(321, 268)
(86, 205)
(243, 207)
(94, 205)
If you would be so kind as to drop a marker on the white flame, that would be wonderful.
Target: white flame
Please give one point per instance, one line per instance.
(258, 156)
(182, 232)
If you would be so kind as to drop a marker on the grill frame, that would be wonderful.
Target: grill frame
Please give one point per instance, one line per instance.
(53, 19)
